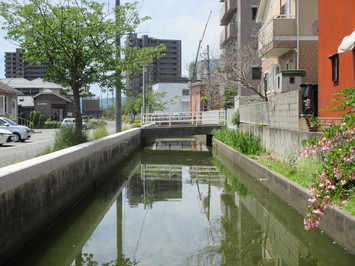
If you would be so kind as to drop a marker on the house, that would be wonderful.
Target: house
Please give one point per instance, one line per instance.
(53, 105)
(179, 93)
(91, 106)
(288, 44)
(199, 97)
(336, 54)
(8, 101)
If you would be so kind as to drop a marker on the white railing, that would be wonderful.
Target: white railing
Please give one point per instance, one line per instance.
(216, 117)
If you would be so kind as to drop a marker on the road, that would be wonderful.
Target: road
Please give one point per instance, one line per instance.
(15, 152)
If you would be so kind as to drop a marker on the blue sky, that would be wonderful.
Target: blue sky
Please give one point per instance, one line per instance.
(170, 19)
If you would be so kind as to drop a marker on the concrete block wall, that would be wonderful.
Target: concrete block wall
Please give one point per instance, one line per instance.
(35, 192)
(282, 143)
(285, 109)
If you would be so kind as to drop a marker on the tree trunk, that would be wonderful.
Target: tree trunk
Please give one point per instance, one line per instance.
(76, 105)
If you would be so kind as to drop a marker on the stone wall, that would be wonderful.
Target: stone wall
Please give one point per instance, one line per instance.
(35, 192)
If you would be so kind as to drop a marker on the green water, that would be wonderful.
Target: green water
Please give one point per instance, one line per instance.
(172, 206)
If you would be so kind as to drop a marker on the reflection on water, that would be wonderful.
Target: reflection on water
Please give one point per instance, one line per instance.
(181, 208)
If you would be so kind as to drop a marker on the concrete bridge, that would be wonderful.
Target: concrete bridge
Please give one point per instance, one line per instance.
(165, 125)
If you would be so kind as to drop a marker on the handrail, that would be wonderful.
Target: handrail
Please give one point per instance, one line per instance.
(24, 122)
(216, 117)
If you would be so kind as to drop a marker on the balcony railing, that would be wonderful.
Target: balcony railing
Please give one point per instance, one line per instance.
(275, 28)
(227, 10)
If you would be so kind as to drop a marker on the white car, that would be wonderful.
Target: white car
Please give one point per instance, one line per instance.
(70, 122)
(21, 133)
(6, 136)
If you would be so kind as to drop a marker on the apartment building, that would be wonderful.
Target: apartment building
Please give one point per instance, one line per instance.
(240, 28)
(163, 70)
(16, 67)
(287, 43)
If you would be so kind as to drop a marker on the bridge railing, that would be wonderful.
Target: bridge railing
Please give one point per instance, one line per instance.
(215, 117)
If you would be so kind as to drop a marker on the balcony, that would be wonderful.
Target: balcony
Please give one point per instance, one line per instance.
(273, 36)
(227, 10)
(228, 34)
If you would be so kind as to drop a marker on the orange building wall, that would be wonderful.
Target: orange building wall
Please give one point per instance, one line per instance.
(336, 19)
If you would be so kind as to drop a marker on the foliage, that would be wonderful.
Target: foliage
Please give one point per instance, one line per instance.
(153, 102)
(108, 112)
(68, 137)
(41, 120)
(35, 118)
(244, 142)
(52, 124)
(336, 147)
(77, 38)
(236, 118)
(204, 99)
(100, 132)
(88, 260)
(228, 95)
(313, 121)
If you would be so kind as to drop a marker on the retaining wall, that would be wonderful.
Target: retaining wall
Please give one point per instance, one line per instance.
(338, 224)
(35, 192)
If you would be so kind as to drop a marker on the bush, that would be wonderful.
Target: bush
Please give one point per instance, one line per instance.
(100, 132)
(52, 124)
(42, 119)
(36, 116)
(244, 142)
(236, 118)
(68, 137)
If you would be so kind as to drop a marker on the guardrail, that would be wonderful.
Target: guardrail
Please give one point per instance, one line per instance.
(216, 117)
(24, 122)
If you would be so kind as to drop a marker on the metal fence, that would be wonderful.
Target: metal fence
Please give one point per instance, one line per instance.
(216, 117)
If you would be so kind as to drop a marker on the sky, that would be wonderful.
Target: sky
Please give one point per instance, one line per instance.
(170, 19)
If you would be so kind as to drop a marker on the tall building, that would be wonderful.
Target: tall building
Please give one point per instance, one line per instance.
(164, 70)
(240, 29)
(15, 67)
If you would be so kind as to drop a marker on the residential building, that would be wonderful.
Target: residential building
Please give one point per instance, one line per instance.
(240, 28)
(287, 43)
(32, 87)
(336, 56)
(91, 106)
(8, 101)
(163, 70)
(53, 105)
(179, 93)
(16, 67)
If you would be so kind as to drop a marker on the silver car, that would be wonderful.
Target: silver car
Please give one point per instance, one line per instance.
(21, 133)
(6, 136)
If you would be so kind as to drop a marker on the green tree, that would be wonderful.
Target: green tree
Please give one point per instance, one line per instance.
(78, 39)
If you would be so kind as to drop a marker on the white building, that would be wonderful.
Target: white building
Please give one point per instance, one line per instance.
(178, 92)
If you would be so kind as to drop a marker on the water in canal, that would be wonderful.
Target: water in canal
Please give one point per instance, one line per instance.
(173, 204)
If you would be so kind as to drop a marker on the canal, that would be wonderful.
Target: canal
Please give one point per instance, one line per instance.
(174, 204)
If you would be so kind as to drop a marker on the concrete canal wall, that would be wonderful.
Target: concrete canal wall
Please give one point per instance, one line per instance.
(338, 224)
(35, 192)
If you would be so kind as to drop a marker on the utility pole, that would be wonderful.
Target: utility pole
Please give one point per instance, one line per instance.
(119, 83)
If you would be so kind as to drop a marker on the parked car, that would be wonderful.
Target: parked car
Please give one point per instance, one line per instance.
(21, 133)
(6, 136)
(70, 122)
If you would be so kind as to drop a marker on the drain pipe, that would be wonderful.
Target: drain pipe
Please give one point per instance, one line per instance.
(298, 34)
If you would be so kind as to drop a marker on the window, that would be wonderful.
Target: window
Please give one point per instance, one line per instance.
(256, 73)
(254, 11)
(267, 81)
(185, 92)
(13, 109)
(335, 67)
(2, 104)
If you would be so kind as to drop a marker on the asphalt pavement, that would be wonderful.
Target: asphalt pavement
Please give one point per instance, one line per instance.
(15, 152)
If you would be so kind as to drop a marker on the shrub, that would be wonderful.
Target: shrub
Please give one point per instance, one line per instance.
(36, 116)
(336, 183)
(68, 137)
(52, 124)
(236, 118)
(100, 132)
(42, 119)
(244, 142)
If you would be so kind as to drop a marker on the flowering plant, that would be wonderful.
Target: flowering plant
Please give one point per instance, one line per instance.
(336, 148)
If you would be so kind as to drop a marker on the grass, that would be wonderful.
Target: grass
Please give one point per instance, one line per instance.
(100, 132)
(303, 171)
